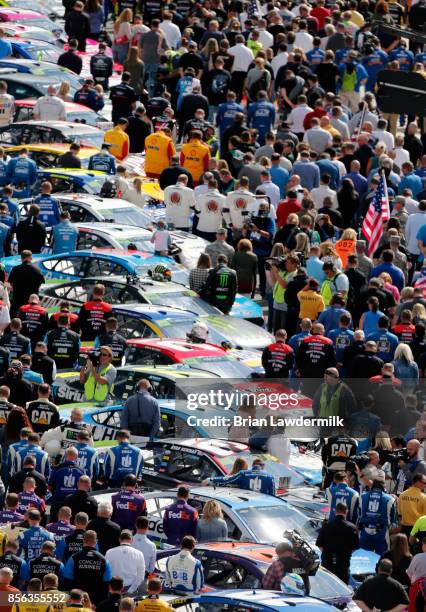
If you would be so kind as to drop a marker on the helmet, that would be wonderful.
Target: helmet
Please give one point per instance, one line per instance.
(160, 273)
(292, 584)
(199, 332)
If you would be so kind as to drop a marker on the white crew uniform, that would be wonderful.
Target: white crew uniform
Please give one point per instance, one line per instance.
(239, 202)
(50, 108)
(209, 208)
(184, 573)
(7, 109)
(179, 201)
(65, 435)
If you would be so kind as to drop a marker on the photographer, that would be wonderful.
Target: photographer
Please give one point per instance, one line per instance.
(98, 377)
(281, 273)
(260, 232)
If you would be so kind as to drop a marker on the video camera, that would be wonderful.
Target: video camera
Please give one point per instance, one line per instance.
(278, 261)
(93, 356)
(304, 553)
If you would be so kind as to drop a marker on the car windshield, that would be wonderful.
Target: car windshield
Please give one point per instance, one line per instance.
(44, 23)
(281, 473)
(125, 216)
(180, 300)
(88, 138)
(268, 523)
(49, 53)
(222, 365)
(142, 244)
(61, 75)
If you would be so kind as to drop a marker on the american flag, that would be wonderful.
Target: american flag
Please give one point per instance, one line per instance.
(377, 214)
(252, 8)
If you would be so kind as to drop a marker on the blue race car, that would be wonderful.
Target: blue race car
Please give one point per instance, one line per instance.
(105, 262)
(255, 601)
(34, 50)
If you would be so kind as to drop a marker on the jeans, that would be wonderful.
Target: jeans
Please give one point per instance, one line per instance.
(119, 52)
(151, 70)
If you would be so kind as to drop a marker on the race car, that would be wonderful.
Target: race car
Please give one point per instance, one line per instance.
(76, 113)
(252, 601)
(67, 387)
(46, 156)
(251, 517)
(146, 290)
(80, 264)
(139, 321)
(41, 68)
(205, 357)
(22, 85)
(32, 18)
(54, 9)
(34, 49)
(87, 208)
(31, 32)
(46, 132)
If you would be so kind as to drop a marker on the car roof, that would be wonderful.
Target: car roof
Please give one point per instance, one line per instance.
(114, 229)
(20, 12)
(95, 202)
(238, 499)
(170, 371)
(252, 550)
(180, 348)
(31, 43)
(261, 598)
(67, 127)
(216, 448)
(55, 148)
(27, 77)
(70, 107)
(32, 63)
(154, 313)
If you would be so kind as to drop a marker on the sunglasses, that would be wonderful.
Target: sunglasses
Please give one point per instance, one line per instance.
(104, 354)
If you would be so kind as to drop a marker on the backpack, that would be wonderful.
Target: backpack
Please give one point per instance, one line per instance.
(259, 85)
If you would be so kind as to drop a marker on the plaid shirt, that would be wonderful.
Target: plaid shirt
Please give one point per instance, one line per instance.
(197, 278)
(273, 576)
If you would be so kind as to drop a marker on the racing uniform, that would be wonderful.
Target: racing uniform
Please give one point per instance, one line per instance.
(60, 530)
(343, 494)
(10, 516)
(19, 567)
(43, 415)
(277, 360)
(405, 332)
(315, 355)
(49, 209)
(195, 156)
(63, 345)
(87, 459)
(35, 321)
(122, 460)
(118, 345)
(101, 66)
(238, 206)
(341, 338)
(209, 208)
(261, 116)
(41, 457)
(152, 603)
(102, 161)
(386, 344)
(88, 97)
(91, 571)
(336, 454)
(225, 115)
(179, 520)
(128, 505)
(220, 288)
(11, 453)
(63, 481)
(7, 109)
(92, 317)
(5, 408)
(180, 202)
(378, 513)
(45, 564)
(184, 573)
(254, 479)
(31, 540)
(374, 63)
(72, 318)
(16, 344)
(404, 57)
(30, 500)
(70, 544)
(64, 236)
(65, 434)
(22, 171)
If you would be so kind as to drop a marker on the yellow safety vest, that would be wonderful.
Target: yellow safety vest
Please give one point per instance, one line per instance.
(95, 391)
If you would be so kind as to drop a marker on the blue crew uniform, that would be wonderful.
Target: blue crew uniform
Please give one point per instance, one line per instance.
(179, 520)
(88, 459)
(22, 171)
(88, 97)
(63, 481)
(378, 513)
(315, 57)
(102, 161)
(261, 116)
(41, 458)
(122, 460)
(254, 479)
(226, 114)
(31, 541)
(421, 58)
(341, 56)
(386, 344)
(373, 63)
(404, 57)
(13, 209)
(49, 209)
(3, 173)
(65, 236)
(4, 239)
(342, 338)
(342, 493)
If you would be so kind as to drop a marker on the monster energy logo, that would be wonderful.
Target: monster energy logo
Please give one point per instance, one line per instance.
(223, 284)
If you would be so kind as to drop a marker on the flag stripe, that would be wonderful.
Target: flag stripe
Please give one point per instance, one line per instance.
(378, 212)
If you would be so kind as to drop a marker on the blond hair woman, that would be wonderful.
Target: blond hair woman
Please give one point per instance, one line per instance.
(122, 35)
(212, 526)
(329, 254)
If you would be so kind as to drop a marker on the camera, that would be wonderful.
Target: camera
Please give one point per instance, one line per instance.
(361, 461)
(304, 553)
(94, 357)
(277, 261)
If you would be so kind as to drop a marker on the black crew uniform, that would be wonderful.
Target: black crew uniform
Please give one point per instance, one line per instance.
(44, 365)
(16, 483)
(44, 564)
(11, 560)
(277, 360)
(137, 130)
(17, 344)
(31, 235)
(73, 543)
(5, 408)
(122, 97)
(118, 345)
(101, 68)
(63, 345)
(89, 570)
(71, 60)
(336, 453)
(4, 360)
(365, 366)
(220, 288)
(338, 539)
(110, 604)
(25, 280)
(170, 176)
(81, 501)
(21, 391)
(43, 415)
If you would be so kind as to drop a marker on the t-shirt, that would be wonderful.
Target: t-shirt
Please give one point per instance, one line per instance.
(311, 303)
(382, 592)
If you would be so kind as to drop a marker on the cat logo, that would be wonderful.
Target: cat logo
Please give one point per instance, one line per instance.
(212, 206)
(175, 197)
(240, 203)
